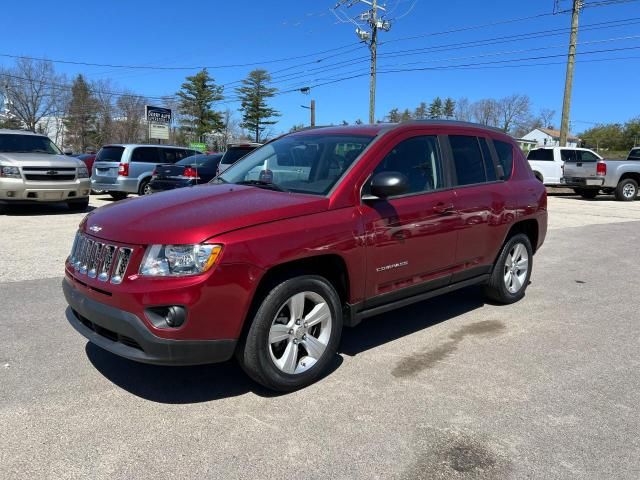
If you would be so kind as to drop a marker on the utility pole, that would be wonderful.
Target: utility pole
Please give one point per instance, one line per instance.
(374, 21)
(571, 61)
(313, 113)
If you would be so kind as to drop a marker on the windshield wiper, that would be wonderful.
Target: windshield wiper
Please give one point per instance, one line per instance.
(262, 184)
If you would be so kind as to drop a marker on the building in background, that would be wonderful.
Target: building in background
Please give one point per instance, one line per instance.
(547, 137)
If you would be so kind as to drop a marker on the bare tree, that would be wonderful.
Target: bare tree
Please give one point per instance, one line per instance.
(513, 112)
(545, 117)
(105, 124)
(463, 111)
(31, 88)
(485, 112)
(130, 116)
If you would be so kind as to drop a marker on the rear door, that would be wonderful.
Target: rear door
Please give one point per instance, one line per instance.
(143, 161)
(580, 163)
(106, 165)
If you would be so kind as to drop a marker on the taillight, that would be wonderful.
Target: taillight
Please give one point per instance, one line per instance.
(123, 170)
(190, 172)
(601, 169)
(154, 173)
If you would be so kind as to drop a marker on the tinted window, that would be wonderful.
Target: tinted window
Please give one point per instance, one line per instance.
(468, 160)
(585, 156)
(234, 154)
(145, 155)
(418, 159)
(505, 156)
(110, 154)
(488, 160)
(16, 143)
(180, 154)
(541, 154)
(634, 154)
(568, 155)
(168, 155)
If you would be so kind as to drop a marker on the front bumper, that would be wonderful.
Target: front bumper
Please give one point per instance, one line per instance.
(20, 191)
(124, 334)
(591, 182)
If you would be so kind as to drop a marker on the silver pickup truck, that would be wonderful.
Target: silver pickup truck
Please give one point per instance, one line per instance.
(620, 177)
(34, 170)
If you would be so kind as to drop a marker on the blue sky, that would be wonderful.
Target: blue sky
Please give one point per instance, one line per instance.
(215, 33)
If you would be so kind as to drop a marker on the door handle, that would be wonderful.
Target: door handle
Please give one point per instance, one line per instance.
(443, 208)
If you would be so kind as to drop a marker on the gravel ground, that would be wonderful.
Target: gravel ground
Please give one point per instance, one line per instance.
(448, 388)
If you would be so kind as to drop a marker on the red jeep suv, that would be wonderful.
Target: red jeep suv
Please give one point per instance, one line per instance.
(314, 231)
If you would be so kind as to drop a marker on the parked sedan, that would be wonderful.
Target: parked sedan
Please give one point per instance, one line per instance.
(185, 173)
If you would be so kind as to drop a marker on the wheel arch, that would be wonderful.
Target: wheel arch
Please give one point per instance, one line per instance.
(538, 175)
(632, 175)
(529, 227)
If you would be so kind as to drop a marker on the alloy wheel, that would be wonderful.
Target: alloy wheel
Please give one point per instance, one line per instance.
(300, 332)
(516, 267)
(629, 191)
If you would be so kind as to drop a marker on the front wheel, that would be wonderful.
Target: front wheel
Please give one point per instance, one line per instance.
(294, 334)
(511, 271)
(627, 190)
(589, 193)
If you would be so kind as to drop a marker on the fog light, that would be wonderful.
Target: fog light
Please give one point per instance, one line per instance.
(162, 317)
(11, 194)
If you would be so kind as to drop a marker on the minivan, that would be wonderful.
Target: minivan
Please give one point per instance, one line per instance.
(121, 169)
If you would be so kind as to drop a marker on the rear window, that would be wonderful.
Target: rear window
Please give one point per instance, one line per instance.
(110, 154)
(568, 155)
(234, 154)
(541, 154)
(199, 160)
(634, 154)
(505, 156)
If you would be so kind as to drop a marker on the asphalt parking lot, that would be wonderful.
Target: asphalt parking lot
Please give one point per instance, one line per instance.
(449, 388)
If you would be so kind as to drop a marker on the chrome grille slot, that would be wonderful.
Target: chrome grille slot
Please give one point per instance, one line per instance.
(122, 261)
(99, 260)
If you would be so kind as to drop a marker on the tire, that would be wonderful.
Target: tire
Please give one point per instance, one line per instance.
(78, 206)
(627, 190)
(539, 176)
(589, 193)
(145, 188)
(266, 362)
(118, 195)
(506, 285)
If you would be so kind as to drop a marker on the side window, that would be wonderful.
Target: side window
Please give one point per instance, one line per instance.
(168, 155)
(418, 159)
(488, 160)
(145, 155)
(505, 156)
(467, 159)
(543, 154)
(586, 156)
(568, 156)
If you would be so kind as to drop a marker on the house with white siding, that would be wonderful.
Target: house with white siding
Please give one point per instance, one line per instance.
(548, 137)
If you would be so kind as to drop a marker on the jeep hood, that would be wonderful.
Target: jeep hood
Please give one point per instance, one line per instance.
(194, 214)
(39, 160)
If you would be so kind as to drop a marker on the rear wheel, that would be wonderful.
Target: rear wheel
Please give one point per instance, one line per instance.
(78, 205)
(627, 190)
(118, 195)
(294, 334)
(145, 187)
(511, 271)
(589, 193)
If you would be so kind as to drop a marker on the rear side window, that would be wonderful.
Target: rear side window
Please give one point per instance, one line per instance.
(634, 154)
(541, 154)
(168, 155)
(505, 156)
(110, 154)
(568, 155)
(468, 160)
(145, 155)
(488, 160)
(234, 154)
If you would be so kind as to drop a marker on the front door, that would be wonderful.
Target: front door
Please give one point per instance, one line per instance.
(411, 238)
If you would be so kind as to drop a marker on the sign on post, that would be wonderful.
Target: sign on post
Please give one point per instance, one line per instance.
(159, 120)
(202, 147)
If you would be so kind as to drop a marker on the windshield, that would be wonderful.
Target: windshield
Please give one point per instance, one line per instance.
(15, 143)
(299, 163)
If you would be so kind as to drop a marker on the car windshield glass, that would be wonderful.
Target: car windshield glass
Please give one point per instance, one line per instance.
(16, 143)
(234, 154)
(299, 163)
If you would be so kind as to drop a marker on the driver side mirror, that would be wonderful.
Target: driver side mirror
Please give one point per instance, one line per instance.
(387, 184)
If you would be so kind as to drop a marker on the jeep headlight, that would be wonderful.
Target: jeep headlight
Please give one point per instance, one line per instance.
(9, 172)
(83, 172)
(179, 260)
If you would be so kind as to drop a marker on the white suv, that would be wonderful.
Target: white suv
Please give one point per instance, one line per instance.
(34, 170)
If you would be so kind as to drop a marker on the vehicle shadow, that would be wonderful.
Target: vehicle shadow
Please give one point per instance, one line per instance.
(179, 385)
(376, 331)
(46, 209)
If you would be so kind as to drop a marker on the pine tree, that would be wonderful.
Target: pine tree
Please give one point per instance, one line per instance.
(394, 115)
(421, 111)
(197, 96)
(449, 109)
(435, 109)
(406, 115)
(80, 121)
(253, 93)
